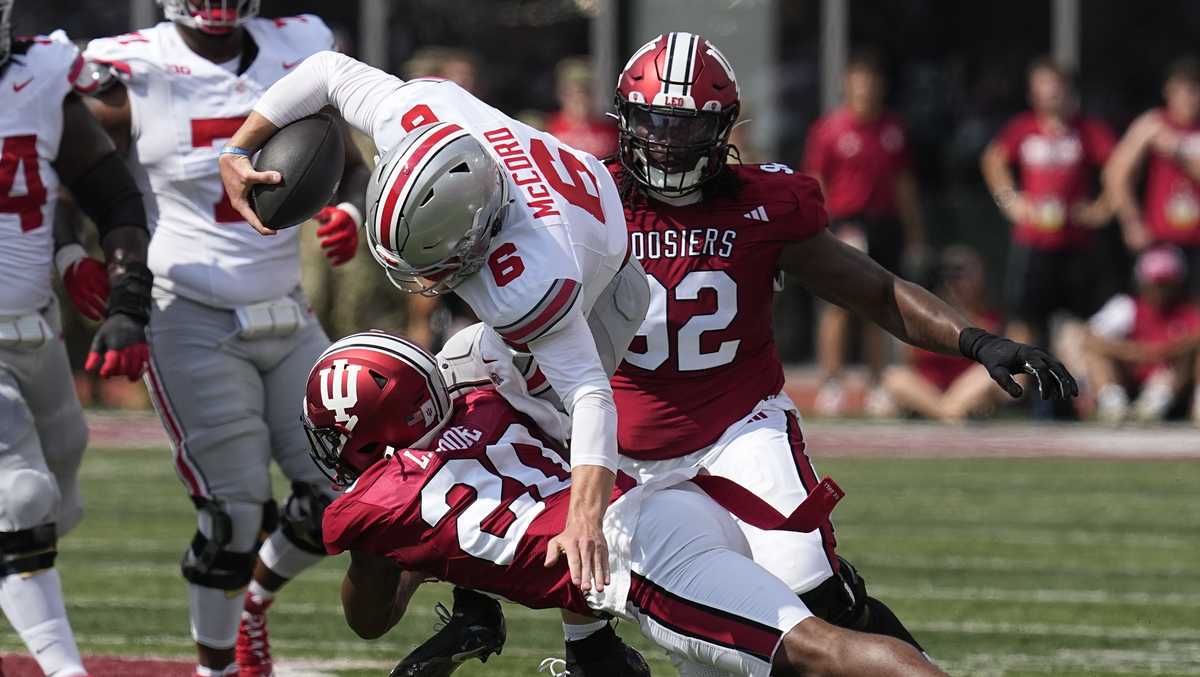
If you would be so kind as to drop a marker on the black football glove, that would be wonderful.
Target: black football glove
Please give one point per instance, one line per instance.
(119, 347)
(1002, 358)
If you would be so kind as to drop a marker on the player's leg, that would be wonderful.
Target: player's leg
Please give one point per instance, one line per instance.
(210, 397)
(695, 592)
(766, 454)
(30, 504)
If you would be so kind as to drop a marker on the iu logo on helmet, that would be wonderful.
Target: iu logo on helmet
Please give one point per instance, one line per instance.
(342, 394)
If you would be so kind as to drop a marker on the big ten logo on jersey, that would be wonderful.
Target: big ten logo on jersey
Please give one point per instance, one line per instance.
(21, 189)
(339, 391)
(458, 437)
(681, 243)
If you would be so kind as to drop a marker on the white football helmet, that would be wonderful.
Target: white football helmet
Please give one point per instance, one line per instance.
(217, 17)
(433, 204)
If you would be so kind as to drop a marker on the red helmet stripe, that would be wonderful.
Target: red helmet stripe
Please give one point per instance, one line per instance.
(406, 168)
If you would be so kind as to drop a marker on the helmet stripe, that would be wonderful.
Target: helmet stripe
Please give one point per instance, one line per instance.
(691, 65)
(679, 63)
(406, 168)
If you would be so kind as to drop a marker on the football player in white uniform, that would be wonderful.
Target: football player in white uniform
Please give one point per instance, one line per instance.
(230, 331)
(48, 139)
(527, 231)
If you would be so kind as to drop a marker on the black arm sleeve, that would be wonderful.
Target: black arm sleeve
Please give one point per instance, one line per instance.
(109, 196)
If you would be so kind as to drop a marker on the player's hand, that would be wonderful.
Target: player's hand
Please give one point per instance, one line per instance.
(582, 541)
(238, 176)
(1003, 358)
(338, 234)
(119, 348)
(85, 279)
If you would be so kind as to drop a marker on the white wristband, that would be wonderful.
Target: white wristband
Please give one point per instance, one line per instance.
(350, 209)
(67, 256)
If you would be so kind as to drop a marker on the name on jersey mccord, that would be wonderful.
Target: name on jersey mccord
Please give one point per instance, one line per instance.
(521, 170)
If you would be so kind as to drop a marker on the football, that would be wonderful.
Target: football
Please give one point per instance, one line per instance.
(309, 154)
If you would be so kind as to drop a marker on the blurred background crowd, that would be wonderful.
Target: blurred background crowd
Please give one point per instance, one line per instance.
(1035, 162)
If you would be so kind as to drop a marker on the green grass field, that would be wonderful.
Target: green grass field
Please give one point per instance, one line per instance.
(1001, 567)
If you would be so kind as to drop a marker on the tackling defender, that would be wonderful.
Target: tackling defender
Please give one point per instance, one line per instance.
(49, 139)
(529, 232)
(463, 487)
(230, 330)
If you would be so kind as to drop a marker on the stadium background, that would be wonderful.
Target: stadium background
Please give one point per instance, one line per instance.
(1012, 547)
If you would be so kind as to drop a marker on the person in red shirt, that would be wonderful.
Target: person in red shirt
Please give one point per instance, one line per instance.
(576, 122)
(859, 153)
(1052, 203)
(1168, 140)
(949, 387)
(466, 489)
(1148, 342)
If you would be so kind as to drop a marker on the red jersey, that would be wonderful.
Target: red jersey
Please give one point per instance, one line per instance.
(705, 355)
(942, 370)
(858, 162)
(1058, 167)
(477, 509)
(1172, 204)
(597, 136)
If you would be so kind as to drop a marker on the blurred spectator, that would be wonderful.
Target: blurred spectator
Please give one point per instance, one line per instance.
(576, 122)
(459, 66)
(860, 155)
(1054, 215)
(950, 387)
(1170, 137)
(1147, 342)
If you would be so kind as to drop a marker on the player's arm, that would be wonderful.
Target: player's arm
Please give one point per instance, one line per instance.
(1120, 176)
(102, 186)
(375, 593)
(571, 363)
(112, 110)
(351, 87)
(848, 277)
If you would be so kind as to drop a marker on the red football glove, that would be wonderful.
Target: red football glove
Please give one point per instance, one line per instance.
(119, 348)
(85, 279)
(338, 232)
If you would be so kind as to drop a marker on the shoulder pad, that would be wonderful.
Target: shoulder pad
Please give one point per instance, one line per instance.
(301, 34)
(123, 57)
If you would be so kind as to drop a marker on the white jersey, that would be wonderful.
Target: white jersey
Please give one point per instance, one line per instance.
(184, 108)
(563, 237)
(32, 87)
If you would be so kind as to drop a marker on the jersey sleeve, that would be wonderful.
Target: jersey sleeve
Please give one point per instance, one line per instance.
(58, 59)
(305, 34)
(343, 525)
(128, 55)
(808, 215)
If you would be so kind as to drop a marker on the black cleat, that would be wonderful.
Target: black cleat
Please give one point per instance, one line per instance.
(474, 630)
(601, 654)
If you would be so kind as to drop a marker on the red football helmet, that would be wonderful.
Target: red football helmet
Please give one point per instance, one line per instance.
(367, 392)
(215, 17)
(677, 100)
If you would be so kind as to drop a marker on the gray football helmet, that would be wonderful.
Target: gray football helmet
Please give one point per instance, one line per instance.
(433, 204)
(6, 8)
(210, 16)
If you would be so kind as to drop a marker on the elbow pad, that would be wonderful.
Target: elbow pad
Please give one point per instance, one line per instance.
(108, 195)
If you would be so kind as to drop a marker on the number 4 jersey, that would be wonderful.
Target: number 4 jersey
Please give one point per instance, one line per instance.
(33, 85)
(184, 108)
(705, 356)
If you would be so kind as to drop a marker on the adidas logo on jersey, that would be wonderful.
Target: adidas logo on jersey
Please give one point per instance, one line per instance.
(759, 213)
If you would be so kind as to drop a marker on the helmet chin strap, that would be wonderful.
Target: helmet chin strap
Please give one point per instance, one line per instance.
(677, 200)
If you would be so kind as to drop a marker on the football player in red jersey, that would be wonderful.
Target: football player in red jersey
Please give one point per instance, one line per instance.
(468, 490)
(702, 383)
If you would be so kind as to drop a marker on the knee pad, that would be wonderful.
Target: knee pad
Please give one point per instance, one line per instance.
(300, 519)
(221, 554)
(28, 550)
(28, 498)
(840, 599)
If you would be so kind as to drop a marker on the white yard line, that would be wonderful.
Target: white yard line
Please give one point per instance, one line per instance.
(1036, 596)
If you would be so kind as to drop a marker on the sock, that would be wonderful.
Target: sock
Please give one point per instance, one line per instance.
(214, 614)
(230, 670)
(574, 633)
(34, 606)
(256, 589)
(283, 557)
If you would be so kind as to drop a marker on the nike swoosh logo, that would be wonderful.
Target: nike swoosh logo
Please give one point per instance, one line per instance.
(19, 86)
(288, 66)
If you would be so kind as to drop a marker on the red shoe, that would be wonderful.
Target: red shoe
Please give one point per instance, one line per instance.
(253, 647)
